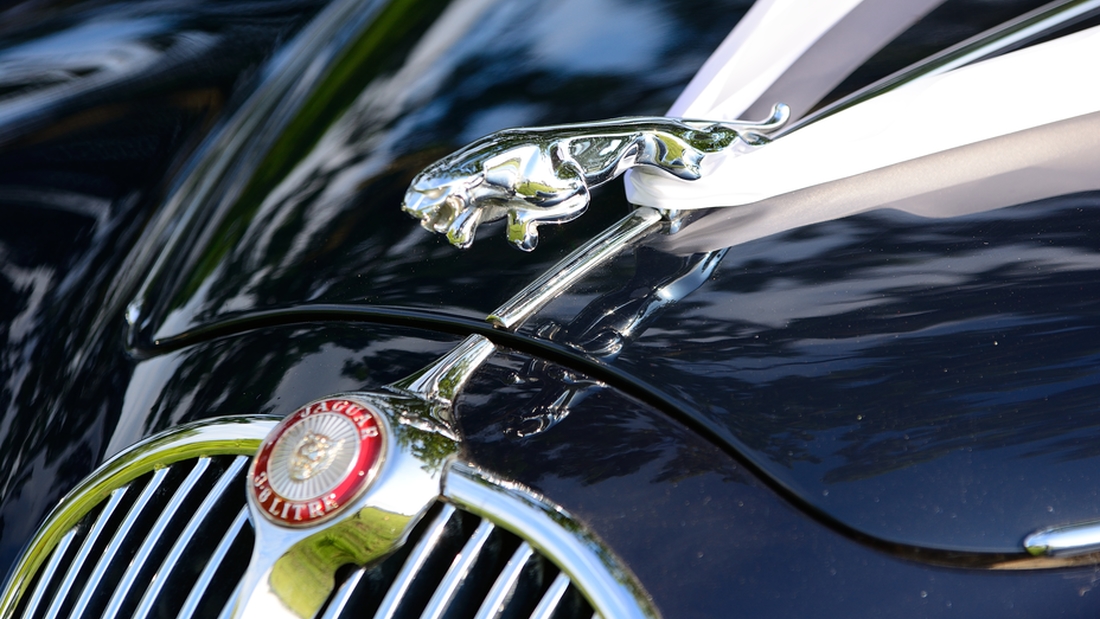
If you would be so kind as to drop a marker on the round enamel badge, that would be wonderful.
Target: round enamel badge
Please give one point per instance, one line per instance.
(316, 461)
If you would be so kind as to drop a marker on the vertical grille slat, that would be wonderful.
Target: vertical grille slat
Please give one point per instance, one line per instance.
(341, 600)
(62, 592)
(504, 589)
(552, 598)
(138, 562)
(414, 564)
(212, 565)
(227, 610)
(169, 563)
(47, 573)
(459, 572)
(174, 541)
(117, 540)
(466, 567)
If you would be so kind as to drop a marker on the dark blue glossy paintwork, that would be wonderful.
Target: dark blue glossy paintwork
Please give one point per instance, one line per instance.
(706, 537)
(329, 229)
(930, 382)
(100, 103)
(853, 384)
(887, 370)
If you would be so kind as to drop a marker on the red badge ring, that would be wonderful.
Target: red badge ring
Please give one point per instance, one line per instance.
(316, 461)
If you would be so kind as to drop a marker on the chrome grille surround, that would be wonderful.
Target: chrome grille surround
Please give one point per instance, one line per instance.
(141, 517)
(162, 529)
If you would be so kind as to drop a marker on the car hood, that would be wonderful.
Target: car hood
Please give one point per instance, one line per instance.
(925, 382)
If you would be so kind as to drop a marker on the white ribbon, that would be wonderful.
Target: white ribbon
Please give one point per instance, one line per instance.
(1036, 86)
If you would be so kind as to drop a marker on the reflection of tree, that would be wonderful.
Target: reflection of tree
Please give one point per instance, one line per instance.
(327, 226)
(900, 366)
(606, 435)
(243, 374)
(78, 178)
(884, 341)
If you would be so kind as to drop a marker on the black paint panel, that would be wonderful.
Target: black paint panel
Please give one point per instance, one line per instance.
(706, 537)
(100, 104)
(927, 381)
(316, 216)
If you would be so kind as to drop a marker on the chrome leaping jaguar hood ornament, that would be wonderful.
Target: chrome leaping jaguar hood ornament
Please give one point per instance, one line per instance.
(544, 174)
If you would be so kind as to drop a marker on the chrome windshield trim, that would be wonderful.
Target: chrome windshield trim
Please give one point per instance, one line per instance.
(588, 563)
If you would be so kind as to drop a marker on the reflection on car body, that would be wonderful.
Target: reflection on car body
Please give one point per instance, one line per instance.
(790, 407)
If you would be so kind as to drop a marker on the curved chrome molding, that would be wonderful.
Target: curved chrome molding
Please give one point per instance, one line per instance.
(1065, 541)
(222, 436)
(593, 568)
(544, 174)
(440, 383)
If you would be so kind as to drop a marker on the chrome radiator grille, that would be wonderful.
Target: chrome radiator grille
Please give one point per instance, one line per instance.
(176, 541)
(163, 545)
(459, 565)
(163, 530)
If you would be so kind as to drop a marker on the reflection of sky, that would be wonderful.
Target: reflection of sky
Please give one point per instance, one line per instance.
(605, 36)
(895, 371)
(96, 37)
(499, 117)
(481, 66)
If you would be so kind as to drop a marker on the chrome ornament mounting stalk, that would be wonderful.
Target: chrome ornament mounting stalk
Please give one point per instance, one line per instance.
(540, 175)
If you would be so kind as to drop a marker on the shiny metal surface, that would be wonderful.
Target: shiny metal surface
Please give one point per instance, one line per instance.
(413, 564)
(1065, 541)
(548, 605)
(154, 535)
(441, 382)
(591, 567)
(190, 605)
(460, 570)
(187, 536)
(81, 556)
(338, 604)
(575, 266)
(505, 585)
(235, 435)
(292, 570)
(47, 573)
(541, 175)
(92, 585)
